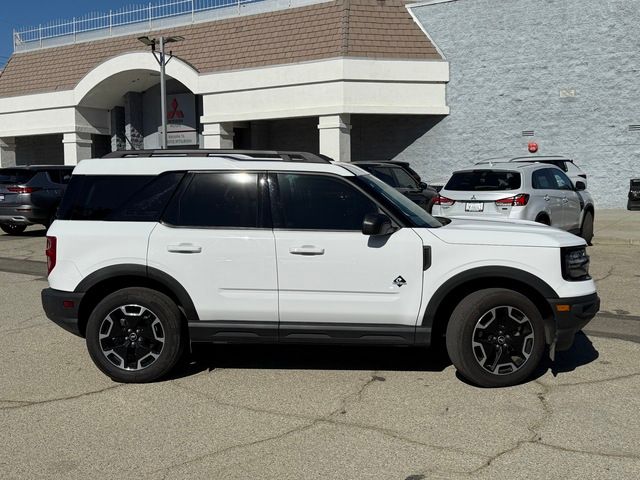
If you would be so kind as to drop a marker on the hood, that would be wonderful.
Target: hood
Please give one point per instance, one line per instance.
(507, 232)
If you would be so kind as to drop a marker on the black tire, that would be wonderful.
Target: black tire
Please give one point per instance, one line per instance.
(544, 219)
(472, 333)
(13, 229)
(147, 342)
(586, 230)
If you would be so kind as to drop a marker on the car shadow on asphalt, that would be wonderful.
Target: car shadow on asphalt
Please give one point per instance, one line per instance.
(32, 232)
(206, 357)
(581, 353)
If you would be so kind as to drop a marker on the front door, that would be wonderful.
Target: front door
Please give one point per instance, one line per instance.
(329, 272)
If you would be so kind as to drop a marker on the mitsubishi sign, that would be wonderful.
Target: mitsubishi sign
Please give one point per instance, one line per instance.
(181, 120)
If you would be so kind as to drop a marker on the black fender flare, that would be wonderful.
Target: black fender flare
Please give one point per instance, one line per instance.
(143, 271)
(479, 273)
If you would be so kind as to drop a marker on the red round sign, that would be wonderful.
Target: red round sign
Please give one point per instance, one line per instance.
(533, 147)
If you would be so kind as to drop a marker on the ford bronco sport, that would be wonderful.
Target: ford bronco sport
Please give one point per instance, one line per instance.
(154, 250)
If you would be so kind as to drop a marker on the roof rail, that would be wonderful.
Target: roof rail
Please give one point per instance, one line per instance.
(246, 155)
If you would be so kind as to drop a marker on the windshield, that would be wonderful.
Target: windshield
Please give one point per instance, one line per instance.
(418, 217)
(15, 176)
(484, 181)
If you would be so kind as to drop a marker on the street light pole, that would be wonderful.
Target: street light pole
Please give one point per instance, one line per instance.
(163, 96)
(162, 61)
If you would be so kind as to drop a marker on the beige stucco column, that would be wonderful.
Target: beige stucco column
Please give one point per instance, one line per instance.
(335, 136)
(8, 152)
(77, 146)
(217, 135)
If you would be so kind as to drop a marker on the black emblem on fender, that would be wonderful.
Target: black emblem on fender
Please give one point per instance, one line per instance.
(400, 281)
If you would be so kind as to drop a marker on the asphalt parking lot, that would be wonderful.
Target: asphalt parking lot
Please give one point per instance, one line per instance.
(321, 412)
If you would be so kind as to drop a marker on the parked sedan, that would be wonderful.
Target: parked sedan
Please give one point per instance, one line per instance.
(403, 180)
(523, 191)
(30, 195)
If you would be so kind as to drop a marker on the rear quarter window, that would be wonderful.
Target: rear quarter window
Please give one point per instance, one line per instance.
(118, 197)
(484, 181)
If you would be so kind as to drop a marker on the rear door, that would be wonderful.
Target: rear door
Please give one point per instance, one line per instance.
(546, 192)
(571, 205)
(329, 272)
(215, 240)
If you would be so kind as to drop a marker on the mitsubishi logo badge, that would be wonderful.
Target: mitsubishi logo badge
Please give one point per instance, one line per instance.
(175, 110)
(473, 197)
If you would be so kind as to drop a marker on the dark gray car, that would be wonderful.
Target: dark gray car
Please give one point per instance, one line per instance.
(30, 195)
(402, 179)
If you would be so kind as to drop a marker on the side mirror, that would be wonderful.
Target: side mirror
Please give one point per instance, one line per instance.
(377, 224)
(423, 186)
(580, 186)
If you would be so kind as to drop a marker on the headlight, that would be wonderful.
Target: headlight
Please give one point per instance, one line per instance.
(575, 264)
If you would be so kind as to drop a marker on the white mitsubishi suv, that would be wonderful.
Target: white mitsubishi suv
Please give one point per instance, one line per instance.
(154, 250)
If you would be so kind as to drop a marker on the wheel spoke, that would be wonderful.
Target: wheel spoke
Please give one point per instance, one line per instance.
(502, 340)
(131, 337)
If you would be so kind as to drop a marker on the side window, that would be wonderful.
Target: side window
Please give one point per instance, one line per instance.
(95, 197)
(404, 179)
(540, 180)
(65, 176)
(319, 202)
(54, 175)
(385, 175)
(561, 180)
(218, 199)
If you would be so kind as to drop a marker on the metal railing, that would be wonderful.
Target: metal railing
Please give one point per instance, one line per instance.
(147, 17)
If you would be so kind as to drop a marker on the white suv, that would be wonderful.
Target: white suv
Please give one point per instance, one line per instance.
(153, 250)
(524, 191)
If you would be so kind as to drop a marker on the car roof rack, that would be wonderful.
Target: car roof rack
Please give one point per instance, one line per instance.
(539, 158)
(246, 155)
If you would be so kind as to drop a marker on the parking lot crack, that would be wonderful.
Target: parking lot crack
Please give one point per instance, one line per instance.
(28, 403)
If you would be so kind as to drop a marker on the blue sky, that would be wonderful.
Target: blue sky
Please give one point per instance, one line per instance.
(31, 13)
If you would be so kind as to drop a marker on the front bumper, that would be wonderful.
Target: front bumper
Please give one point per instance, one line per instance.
(574, 314)
(62, 308)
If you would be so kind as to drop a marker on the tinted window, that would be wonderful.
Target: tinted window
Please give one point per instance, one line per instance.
(94, 197)
(404, 180)
(541, 180)
(217, 200)
(562, 182)
(15, 176)
(396, 201)
(384, 174)
(484, 180)
(62, 176)
(317, 202)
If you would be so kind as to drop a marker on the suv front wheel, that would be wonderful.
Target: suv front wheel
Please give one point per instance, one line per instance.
(134, 335)
(495, 337)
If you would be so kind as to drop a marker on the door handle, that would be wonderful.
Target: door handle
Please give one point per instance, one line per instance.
(306, 250)
(184, 248)
(565, 200)
(547, 198)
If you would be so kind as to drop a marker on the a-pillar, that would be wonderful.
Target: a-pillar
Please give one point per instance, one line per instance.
(335, 136)
(8, 152)
(77, 146)
(217, 135)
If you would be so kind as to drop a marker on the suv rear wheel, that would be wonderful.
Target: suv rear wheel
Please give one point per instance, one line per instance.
(13, 229)
(495, 337)
(134, 335)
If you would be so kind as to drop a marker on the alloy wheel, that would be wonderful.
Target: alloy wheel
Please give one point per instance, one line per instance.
(502, 340)
(131, 337)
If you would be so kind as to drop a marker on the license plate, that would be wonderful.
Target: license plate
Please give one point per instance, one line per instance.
(474, 207)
